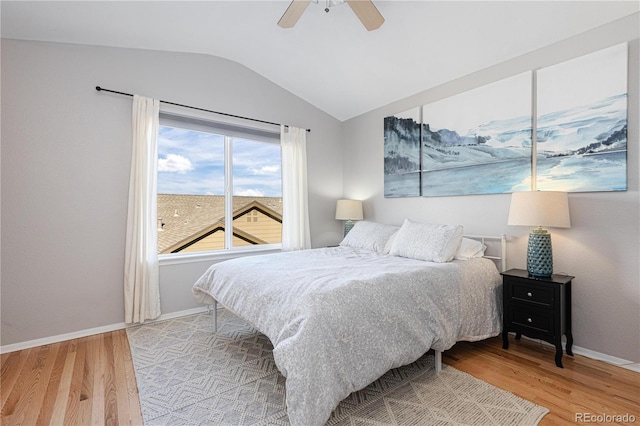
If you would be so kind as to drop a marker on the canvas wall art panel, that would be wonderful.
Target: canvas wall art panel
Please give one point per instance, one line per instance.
(402, 154)
(582, 123)
(479, 141)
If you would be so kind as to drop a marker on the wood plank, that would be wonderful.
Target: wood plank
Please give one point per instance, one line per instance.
(75, 391)
(132, 385)
(86, 396)
(99, 382)
(110, 392)
(126, 404)
(11, 370)
(63, 392)
(51, 391)
(39, 388)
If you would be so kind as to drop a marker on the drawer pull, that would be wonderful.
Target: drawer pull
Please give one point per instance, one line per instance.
(529, 294)
(529, 320)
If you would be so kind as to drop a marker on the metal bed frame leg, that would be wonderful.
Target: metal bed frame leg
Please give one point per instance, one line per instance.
(215, 316)
(438, 361)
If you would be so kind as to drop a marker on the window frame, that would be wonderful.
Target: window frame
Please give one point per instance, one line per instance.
(230, 129)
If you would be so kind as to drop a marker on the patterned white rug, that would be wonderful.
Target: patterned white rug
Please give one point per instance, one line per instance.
(188, 375)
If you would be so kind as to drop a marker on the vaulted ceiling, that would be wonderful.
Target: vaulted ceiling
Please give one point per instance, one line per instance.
(327, 59)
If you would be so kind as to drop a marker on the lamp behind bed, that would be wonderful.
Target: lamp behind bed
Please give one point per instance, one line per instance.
(349, 210)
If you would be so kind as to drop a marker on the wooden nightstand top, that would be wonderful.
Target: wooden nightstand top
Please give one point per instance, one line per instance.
(555, 278)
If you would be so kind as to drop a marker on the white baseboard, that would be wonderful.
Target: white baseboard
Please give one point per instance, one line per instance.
(609, 359)
(177, 314)
(633, 367)
(91, 331)
(60, 338)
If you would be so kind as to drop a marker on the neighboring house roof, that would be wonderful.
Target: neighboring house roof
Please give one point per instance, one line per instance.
(184, 218)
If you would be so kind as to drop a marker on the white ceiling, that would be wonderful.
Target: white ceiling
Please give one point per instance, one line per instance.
(328, 59)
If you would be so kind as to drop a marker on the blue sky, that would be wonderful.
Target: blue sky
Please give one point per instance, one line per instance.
(191, 162)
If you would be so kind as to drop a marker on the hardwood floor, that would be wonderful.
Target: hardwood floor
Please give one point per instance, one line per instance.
(87, 381)
(527, 369)
(90, 381)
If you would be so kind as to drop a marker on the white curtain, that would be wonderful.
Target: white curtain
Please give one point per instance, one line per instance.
(141, 289)
(295, 206)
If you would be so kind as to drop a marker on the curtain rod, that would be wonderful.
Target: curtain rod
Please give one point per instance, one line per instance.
(100, 89)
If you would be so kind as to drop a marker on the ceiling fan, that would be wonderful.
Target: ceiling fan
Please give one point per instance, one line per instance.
(365, 10)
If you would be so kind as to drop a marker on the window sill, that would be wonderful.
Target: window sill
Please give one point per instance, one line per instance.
(216, 256)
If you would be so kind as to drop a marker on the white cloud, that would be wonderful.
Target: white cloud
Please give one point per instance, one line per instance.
(250, 193)
(174, 163)
(267, 170)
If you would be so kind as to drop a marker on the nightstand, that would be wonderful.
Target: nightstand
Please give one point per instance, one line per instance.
(537, 307)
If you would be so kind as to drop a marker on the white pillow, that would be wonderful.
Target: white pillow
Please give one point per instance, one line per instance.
(387, 246)
(434, 243)
(369, 235)
(469, 249)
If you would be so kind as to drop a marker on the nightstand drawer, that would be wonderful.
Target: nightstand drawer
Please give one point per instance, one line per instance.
(541, 322)
(525, 291)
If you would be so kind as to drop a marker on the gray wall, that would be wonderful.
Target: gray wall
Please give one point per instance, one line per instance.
(65, 161)
(601, 248)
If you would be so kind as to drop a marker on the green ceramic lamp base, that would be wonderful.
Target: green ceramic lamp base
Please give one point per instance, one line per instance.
(347, 227)
(539, 253)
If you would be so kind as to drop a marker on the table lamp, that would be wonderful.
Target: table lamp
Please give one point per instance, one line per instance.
(539, 208)
(349, 210)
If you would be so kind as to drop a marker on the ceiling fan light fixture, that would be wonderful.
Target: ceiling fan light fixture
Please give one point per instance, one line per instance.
(331, 3)
(365, 10)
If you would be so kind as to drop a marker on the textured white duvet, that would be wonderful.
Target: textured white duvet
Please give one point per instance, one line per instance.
(339, 318)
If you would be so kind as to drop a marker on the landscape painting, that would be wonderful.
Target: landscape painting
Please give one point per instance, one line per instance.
(582, 123)
(402, 154)
(479, 141)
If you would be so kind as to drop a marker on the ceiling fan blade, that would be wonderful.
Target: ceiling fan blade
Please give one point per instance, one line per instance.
(293, 13)
(367, 12)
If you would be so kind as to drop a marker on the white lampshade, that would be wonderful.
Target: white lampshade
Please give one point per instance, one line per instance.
(540, 208)
(349, 210)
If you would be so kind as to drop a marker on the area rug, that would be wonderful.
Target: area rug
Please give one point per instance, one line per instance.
(189, 375)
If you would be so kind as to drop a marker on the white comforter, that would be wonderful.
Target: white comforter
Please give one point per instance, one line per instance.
(339, 318)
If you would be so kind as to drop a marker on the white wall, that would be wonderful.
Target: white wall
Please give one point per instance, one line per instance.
(65, 162)
(602, 247)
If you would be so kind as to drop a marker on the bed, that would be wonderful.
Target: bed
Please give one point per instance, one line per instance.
(340, 317)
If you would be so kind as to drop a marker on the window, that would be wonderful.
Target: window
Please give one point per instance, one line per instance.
(219, 186)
